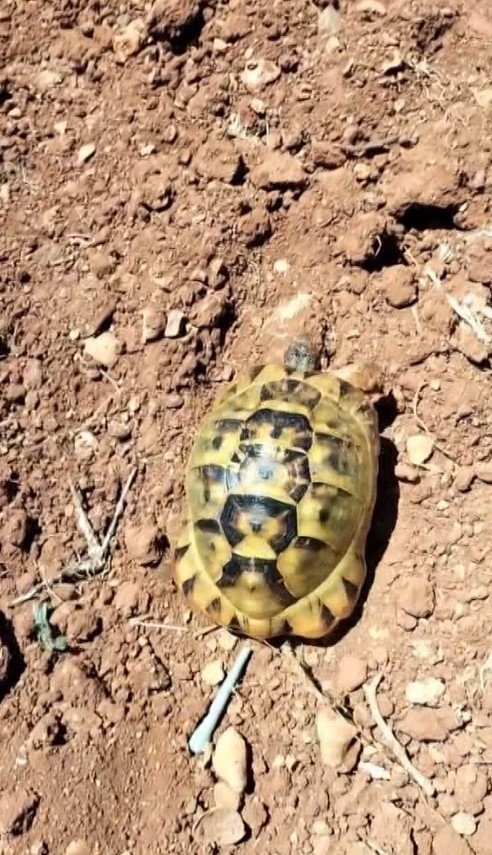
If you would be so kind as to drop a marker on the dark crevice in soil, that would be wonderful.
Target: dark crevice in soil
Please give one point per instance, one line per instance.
(423, 218)
(16, 664)
(386, 253)
(4, 348)
(180, 38)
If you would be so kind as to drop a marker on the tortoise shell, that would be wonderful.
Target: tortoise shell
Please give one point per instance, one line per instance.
(280, 487)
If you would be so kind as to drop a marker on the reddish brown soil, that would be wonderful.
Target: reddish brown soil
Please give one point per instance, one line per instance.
(140, 176)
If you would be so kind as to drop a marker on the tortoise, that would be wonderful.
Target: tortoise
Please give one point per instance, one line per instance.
(280, 488)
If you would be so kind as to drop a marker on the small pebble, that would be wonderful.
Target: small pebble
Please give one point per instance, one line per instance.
(103, 349)
(426, 692)
(281, 266)
(255, 813)
(225, 798)
(153, 324)
(174, 324)
(329, 21)
(483, 471)
(226, 640)
(229, 760)
(222, 826)
(419, 448)
(464, 824)
(172, 401)
(405, 472)
(78, 847)
(335, 735)
(85, 152)
(128, 42)
(417, 598)
(85, 445)
(213, 673)
(259, 73)
(352, 673)
(464, 478)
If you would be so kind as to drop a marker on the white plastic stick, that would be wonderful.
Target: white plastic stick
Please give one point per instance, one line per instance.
(203, 734)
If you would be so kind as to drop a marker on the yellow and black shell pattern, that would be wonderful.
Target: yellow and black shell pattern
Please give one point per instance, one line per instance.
(280, 488)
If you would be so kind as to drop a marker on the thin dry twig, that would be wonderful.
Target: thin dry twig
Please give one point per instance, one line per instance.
(486, 666)
(97, 553)
(421, 424)
(462, 310)
(141, 620)
(370, 691)
(287, 650)
(156, 624)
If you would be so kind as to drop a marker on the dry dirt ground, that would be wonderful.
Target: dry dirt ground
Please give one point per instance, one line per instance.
(180, 186)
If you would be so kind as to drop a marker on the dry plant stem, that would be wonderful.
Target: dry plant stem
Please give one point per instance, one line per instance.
(420, 423)
(370, 691)
(287, 650)
(97, 554)
(84, 525)
(155, 624)
(461, 310)
(172, 627)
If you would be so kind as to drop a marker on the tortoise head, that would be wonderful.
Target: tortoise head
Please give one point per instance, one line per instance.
(300, 355)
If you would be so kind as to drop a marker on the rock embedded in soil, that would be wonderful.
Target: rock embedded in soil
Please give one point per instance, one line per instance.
(335, 735)
(278, 171)
(175, 324)
(144, 543)
(14, 532)
(419, 448)
(167, 20)
(206, 313)
(258, 74)
(221, 826)
(448, 842)
(425, 692)
(229, 760)
(465, 340)
(255, 227)
(398, 286)
(352, 673)
(17, 810)
(470, 786)
(255, 814)
(219, 161)
(85, 153)
(417, 598)
(127, 597)
(425, 725)
(427, 186)
(224, 797)
(78, 847)
(483, 471)
(157, 193)
(128, 41)
(103, 348)
(153, 324)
